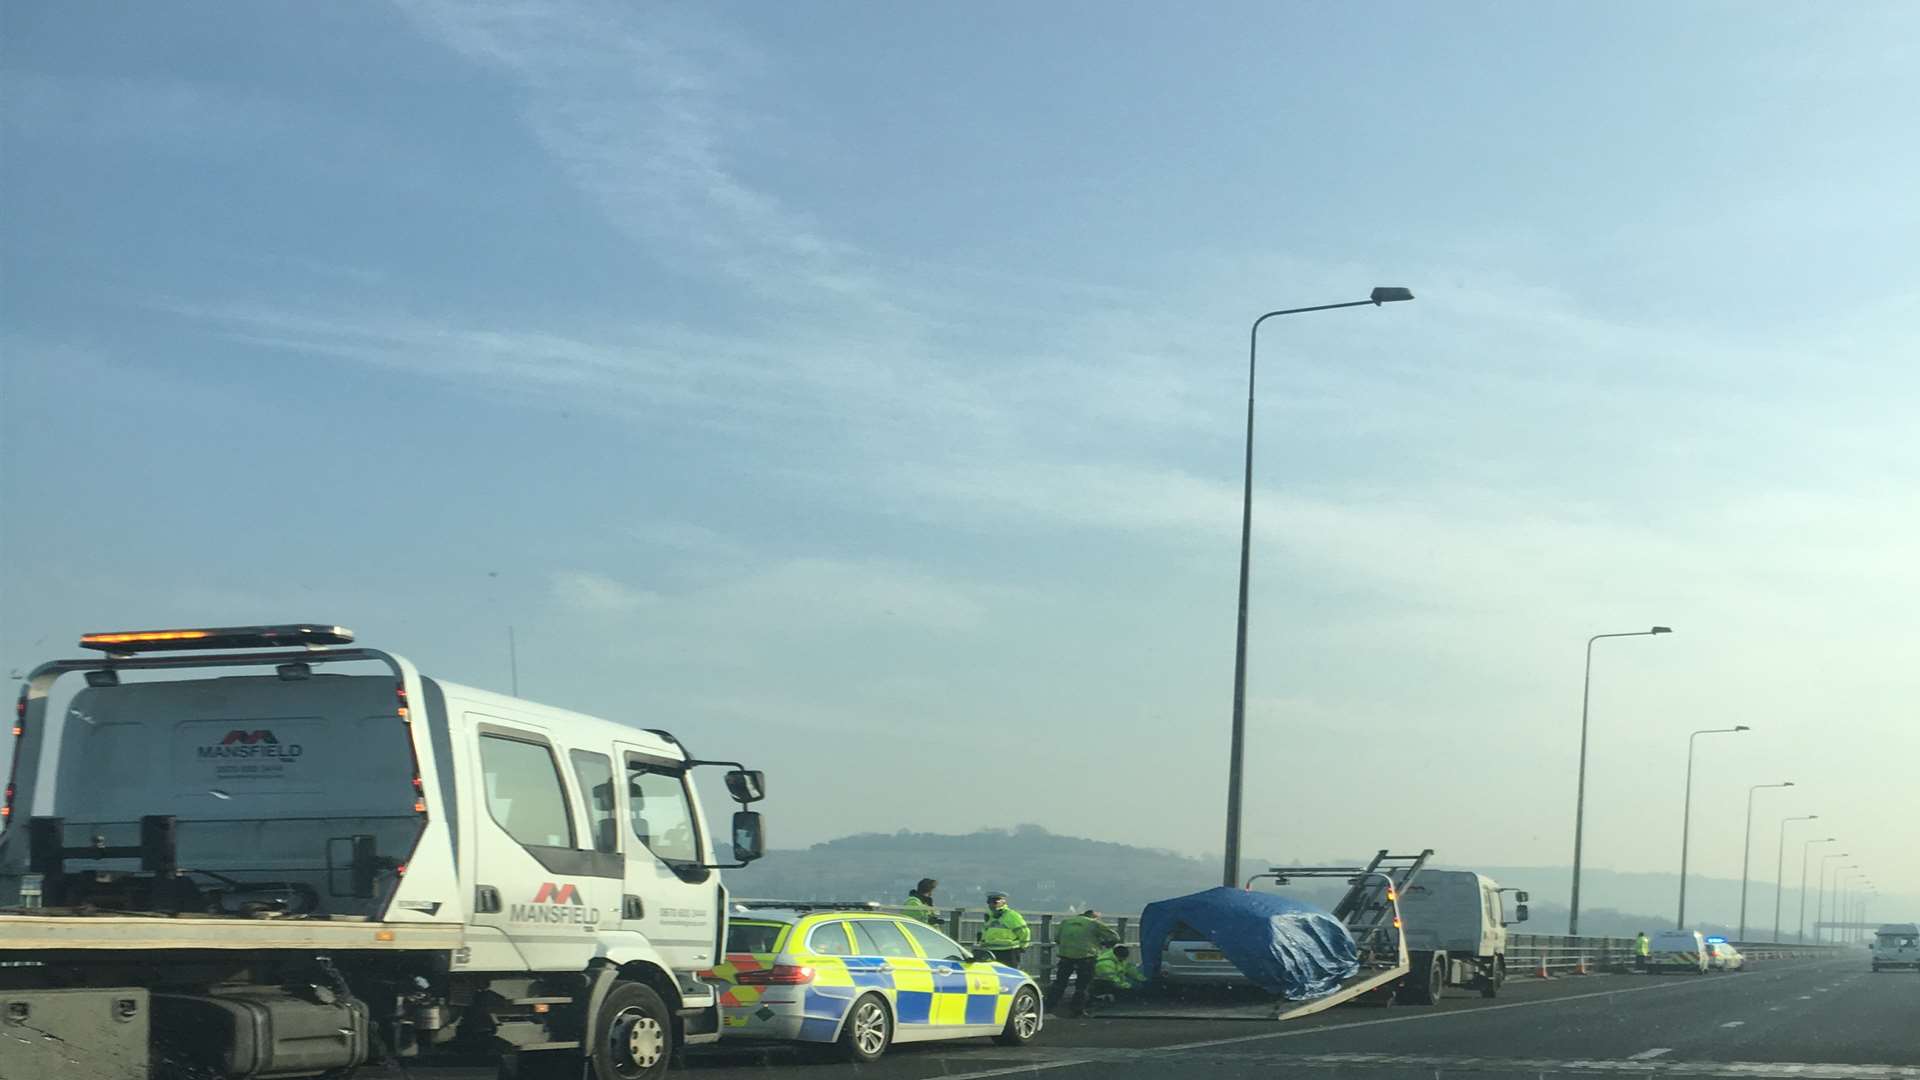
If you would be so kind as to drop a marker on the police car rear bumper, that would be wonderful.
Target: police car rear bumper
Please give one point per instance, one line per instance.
(776, 1020)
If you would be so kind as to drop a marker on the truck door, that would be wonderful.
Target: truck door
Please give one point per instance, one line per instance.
(671, 896)
(537, 882)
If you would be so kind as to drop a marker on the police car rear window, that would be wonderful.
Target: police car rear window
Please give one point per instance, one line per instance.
(744, 937)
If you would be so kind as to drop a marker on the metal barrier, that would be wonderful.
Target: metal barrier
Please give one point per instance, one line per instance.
(1535, 955)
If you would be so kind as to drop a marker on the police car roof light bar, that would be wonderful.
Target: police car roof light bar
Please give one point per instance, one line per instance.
(812, 905)
(296, 635)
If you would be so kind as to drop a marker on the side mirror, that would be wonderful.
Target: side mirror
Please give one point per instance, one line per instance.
(1520, 896)
(749, 836)
(982, 956)
(746, 785)
(1519, 913)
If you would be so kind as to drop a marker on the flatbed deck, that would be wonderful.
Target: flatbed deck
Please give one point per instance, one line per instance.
(66, 933)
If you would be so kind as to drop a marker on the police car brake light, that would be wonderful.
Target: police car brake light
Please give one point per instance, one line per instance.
(778, 975)
(291, 635)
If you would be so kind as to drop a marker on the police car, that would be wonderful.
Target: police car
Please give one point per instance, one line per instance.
(850, 975)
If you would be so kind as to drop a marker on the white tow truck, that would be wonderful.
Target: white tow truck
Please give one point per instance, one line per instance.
(265, 852)
(1456, 922)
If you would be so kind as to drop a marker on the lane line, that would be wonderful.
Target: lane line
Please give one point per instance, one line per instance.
(1647, 1054)
(1733, 1023)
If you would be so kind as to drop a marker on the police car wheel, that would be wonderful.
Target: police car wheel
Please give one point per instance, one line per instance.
(633, 1035)
(1023, 1020)
(868, 1030)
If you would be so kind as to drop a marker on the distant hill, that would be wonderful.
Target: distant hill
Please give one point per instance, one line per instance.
(1044, 871)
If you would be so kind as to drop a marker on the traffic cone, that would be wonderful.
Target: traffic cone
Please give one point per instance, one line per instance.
(1581, 968)
(1541, 971)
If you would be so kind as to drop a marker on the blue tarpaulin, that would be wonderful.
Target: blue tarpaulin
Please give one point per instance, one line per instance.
(1281, 945)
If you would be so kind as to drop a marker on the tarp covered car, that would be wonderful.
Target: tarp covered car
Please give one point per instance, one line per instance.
(1286, 947)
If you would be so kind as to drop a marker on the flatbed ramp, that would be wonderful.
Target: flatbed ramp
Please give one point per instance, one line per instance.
(1249, 1006)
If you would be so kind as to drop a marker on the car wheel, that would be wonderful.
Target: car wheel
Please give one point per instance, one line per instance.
(1023, 1019)
(867, 1031)
(633, 1035)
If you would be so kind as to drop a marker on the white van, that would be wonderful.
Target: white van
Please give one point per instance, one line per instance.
(451, 868)
(1896, 945)
(1679, 950)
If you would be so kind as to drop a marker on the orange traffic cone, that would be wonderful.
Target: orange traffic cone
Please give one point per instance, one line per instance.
(1581, 968)
(1541, 972)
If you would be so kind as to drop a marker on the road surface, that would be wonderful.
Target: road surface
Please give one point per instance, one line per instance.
(1809, 1019)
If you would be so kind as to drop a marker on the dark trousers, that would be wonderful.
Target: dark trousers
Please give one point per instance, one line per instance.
(1009, 957)
(1081, 972)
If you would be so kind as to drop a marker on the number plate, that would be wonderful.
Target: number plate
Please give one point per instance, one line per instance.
(1209, 954)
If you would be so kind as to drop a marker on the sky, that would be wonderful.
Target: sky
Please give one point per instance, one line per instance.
(860, 391)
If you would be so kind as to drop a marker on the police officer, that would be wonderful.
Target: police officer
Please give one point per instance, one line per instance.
(1642, 951)
(920, 903)
(1115, 974)
(1078, 943)
(1005, 933)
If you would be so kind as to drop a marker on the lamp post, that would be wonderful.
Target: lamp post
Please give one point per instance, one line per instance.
(1800, 933)
(1820, 904)
(1746, 851)
(1780, 869)
(1686, 817)
(1580, 797)
(1236, 751)
(1842, 902)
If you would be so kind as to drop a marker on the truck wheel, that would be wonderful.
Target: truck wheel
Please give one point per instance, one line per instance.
(1490, 986)
(1023, 1020)
(633, 1035)
(867, 1031)
(1424, 984)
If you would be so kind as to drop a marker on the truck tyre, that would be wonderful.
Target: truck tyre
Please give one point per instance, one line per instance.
(867, 1031)
(1427, 980)
(632, 1035)
(1496, 975)
(1023, 1020)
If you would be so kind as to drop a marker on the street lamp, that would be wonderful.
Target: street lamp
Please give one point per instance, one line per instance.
(1580, 798)
(1840, 901)
(1820, 904)
(1236, 752)
(1686, 817)
(1746, 852)
(1780, 870)
(1800, 934)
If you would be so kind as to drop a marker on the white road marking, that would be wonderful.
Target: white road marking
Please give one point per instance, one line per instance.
(1733, 1023)
(1061, 1063)
(1653, 1053)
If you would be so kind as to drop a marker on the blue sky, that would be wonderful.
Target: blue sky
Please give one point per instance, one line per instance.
(863, 389)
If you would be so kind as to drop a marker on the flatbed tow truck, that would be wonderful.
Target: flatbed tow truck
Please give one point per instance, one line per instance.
(265, 853)
(1370, 910)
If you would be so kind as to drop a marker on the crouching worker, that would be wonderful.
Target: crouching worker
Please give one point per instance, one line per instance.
(1115, 975)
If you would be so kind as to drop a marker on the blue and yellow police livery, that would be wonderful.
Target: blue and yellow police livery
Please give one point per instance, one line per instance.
(863, 979)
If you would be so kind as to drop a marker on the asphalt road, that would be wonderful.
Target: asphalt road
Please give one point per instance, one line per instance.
(1829, 1018)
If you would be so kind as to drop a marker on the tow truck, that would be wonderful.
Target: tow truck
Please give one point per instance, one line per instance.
(1370, 910)
(306, 854)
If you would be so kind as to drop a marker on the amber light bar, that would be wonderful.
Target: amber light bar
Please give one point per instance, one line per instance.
(294, 635)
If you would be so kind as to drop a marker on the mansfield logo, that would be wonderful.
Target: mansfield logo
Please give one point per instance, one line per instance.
(555, 903)
(249, 738)
(260, 743)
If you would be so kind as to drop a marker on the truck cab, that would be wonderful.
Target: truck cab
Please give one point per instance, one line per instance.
(1461, 916)
(214, 818)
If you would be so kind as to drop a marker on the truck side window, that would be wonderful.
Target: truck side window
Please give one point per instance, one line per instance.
(662, 819)
(594, 773)
(524, 791)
